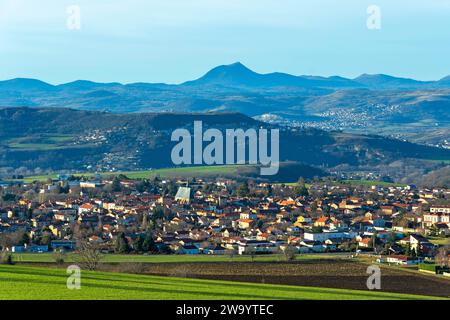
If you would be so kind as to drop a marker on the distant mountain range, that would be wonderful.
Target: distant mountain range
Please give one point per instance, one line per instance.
(382, 104)
(238, 75)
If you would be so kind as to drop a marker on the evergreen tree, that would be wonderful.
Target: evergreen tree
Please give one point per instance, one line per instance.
(148, 244)
(243, 190)
(171, 190)
(29, 213)
(392, 239)
(408, 250)
(144, 221)
(25, 239)
(138, 245)
(116, 187)
(122, 245)
(269, 190)
(434, 230)
(260, 223)
(300, 189)
(158, 213)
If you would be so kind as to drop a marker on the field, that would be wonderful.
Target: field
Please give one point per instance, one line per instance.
(369, 183)
(439, 240)
(443, 161)
(41, 143)
(23, 282)
(324, 273)
(184, 172)
(314, 270)
(364, 183)
(204, 171)
(118, 258)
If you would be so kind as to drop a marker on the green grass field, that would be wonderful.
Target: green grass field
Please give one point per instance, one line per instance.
(20, 282)
(369, 183)
(40, 143)
(444, 161)
(364, 183)
(36, 146)
(201, 171)
(182, 172)
(439, 241)
(293, 184)
(117, 258)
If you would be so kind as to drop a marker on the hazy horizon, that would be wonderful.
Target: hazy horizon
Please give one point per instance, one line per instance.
(200, 75)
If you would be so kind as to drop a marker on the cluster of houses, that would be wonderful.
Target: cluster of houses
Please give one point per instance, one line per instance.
(206, 217)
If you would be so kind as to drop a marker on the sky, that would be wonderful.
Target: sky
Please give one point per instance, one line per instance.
(173, 41)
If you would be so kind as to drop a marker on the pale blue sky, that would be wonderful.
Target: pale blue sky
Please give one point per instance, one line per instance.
(177, 40)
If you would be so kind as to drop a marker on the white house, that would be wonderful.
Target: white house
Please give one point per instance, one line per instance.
(403, 260)
(256, 247)
(326, 235)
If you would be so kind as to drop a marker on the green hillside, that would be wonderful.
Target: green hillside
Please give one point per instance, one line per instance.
(182, 172)
(288, 172)
(42, 283)
(43, 138)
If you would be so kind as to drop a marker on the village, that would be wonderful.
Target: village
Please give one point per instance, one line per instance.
(400, 224)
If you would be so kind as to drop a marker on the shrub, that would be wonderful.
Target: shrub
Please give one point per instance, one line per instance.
(58, 256)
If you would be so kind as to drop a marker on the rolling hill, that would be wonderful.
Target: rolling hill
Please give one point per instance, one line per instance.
(381, 104)
(41, 140)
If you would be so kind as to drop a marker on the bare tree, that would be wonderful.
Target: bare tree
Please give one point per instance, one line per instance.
(230, 253)
(251, 251)
(10, 239)
(442, 257)
(88, 254)
(289, 253)
(58, 256)
(6, 257)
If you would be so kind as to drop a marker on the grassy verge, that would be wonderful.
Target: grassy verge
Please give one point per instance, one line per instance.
(117, 258)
